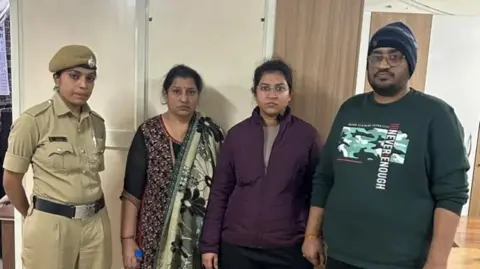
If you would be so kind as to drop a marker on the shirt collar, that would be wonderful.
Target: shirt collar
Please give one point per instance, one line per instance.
(61, 108)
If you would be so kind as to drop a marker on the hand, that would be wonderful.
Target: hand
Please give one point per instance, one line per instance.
(210, 260)
(313, 251)
(431, 265)
(129, 246)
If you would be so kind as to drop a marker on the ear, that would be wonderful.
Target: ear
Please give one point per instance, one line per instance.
(164, 96)
(56, 79)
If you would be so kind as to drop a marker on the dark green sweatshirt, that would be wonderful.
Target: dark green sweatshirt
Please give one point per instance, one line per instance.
(384, 169)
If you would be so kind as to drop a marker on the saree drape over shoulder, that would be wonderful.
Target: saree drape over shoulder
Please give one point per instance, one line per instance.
(169, 181)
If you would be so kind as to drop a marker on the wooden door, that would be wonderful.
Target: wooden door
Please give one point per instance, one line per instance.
(320, 39)
(421, 26)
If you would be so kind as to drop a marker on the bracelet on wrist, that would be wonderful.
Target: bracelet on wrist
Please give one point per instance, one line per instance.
(311, 236)
(127, 237)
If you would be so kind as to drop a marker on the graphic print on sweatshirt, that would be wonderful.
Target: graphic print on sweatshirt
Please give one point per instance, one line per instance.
(384, 144)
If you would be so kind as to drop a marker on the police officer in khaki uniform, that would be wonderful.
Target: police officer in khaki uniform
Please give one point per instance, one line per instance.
(66, 225)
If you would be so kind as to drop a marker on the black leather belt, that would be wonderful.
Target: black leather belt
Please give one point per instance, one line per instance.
(69, 211)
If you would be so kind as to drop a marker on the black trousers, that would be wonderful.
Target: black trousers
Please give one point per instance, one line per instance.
(237, 257)
(336, 264)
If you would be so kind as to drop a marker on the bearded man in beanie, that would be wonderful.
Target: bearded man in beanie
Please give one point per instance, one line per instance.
(393, 177)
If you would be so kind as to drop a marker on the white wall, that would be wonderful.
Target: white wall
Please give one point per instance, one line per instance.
(453, 73)
(223, 39)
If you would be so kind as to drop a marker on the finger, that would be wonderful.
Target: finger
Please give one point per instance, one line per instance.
(215, 262)
(132, 263)
(207, 264)
(314, 260)
(126, 263)
(322, 259)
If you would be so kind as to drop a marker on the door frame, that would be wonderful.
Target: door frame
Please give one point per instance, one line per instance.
(474, 203)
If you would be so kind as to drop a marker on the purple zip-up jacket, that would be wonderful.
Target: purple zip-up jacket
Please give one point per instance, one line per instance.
(254, 205)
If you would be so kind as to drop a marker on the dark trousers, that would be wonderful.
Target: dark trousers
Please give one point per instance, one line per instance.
(336, 264)
(237, 257)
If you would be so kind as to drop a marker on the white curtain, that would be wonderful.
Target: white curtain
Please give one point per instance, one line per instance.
(4, 9)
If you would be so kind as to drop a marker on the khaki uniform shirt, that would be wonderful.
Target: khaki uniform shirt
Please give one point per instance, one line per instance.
(66, 152)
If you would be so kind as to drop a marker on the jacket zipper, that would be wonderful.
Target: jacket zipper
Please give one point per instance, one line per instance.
(259, 227)
(265, 174)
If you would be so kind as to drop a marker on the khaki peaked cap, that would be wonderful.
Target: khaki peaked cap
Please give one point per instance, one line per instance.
(72, 56)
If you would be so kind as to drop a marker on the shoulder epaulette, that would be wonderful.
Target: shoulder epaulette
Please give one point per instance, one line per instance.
(96, 115)
(39, 109)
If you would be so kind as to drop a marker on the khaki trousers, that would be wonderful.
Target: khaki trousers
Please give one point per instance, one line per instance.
(55, 242)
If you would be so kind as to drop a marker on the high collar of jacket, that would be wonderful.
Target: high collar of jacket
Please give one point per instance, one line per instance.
(284, 117)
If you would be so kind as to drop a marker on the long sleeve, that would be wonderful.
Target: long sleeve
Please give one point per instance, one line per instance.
(323, 178)
(448, 162)
(223, 185)
(313, 162)
(136, 169)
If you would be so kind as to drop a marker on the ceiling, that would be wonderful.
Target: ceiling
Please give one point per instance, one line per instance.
(447, 7)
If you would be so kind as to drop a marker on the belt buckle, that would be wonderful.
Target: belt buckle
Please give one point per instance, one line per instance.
(84, 211)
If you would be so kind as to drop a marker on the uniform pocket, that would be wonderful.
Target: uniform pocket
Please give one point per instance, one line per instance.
(97, 160)
(60, 155)
(41, 235)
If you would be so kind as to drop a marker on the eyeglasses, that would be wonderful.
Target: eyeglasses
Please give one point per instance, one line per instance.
(392, 59)
(275, 89)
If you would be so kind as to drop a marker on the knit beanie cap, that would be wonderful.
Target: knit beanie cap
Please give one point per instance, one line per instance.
(398, 36)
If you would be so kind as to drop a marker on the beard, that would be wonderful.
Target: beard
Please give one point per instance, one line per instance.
(387, 90)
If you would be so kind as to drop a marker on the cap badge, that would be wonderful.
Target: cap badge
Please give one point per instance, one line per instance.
(91, 62)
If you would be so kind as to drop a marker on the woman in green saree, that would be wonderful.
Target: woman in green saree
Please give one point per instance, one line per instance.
(167, 180)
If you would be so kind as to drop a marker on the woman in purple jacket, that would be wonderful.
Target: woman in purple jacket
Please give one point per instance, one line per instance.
(260, 196)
